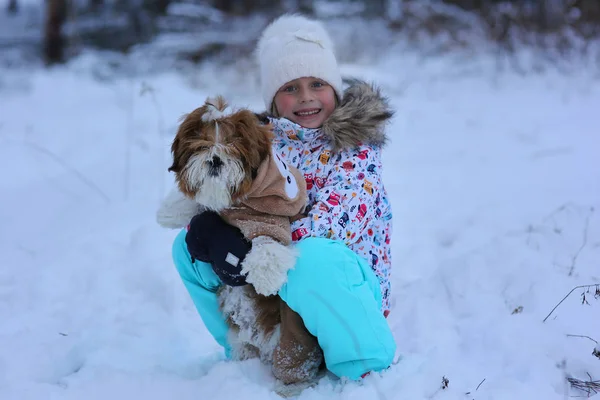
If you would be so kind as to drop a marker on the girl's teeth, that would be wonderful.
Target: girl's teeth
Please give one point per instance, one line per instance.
(308, 113)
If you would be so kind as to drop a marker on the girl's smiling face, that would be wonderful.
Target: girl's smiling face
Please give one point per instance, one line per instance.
(306, 101)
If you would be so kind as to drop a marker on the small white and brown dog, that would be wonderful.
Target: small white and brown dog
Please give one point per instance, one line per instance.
(223, 161)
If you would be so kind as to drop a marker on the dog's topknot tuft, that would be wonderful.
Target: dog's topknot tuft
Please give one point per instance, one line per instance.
(216, 107)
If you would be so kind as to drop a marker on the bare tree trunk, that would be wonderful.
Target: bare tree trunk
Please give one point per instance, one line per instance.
(54, 41)
(157, 7)
(590, 10)
(306, 7)
(162, 6)
(551, 14)
(246, 7)
(376, 8)
(13, 7)
(545, 15)
(227, 6)
(394, 11)
(96, 4)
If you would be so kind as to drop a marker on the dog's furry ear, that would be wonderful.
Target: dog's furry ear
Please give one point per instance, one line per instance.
(263, 118)
(191, 125)
(175, 167)
(257, 137)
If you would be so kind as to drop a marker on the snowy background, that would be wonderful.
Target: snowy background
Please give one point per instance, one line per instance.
(494, 177)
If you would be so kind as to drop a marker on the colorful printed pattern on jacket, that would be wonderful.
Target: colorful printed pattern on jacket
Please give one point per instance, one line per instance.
(346, 197)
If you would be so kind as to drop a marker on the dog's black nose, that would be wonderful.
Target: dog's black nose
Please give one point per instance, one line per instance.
(215, 165)
(216, 162)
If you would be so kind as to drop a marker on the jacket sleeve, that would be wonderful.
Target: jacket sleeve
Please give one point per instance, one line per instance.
(348, 200)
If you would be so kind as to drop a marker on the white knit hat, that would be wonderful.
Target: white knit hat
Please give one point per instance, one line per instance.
(293, 47)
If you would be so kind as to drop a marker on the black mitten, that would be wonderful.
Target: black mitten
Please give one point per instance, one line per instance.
(212, 240)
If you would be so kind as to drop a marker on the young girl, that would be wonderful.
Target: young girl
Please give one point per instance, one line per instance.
(340, 285)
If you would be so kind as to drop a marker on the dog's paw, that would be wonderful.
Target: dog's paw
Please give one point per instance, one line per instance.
(176, 210)
(267, 264)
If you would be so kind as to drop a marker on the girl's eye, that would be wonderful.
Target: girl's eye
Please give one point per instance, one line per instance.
(318, 84)
(289, 89)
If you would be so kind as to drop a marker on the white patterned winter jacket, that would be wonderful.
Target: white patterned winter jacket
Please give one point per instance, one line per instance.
(341, 163)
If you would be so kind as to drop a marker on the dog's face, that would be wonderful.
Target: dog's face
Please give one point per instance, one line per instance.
(216, 155)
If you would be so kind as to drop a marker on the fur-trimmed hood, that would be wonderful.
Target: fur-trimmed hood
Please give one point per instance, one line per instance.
(360, 118)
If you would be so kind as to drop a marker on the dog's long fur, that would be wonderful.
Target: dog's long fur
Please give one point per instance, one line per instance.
(216, 157)
(240, 139)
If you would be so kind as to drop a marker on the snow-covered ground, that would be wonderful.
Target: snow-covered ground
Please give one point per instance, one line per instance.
(495, 183)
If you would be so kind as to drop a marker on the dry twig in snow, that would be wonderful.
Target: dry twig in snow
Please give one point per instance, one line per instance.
(590, 387)
(596, 285)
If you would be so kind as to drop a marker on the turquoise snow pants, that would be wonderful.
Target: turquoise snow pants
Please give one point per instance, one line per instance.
(334, 291)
